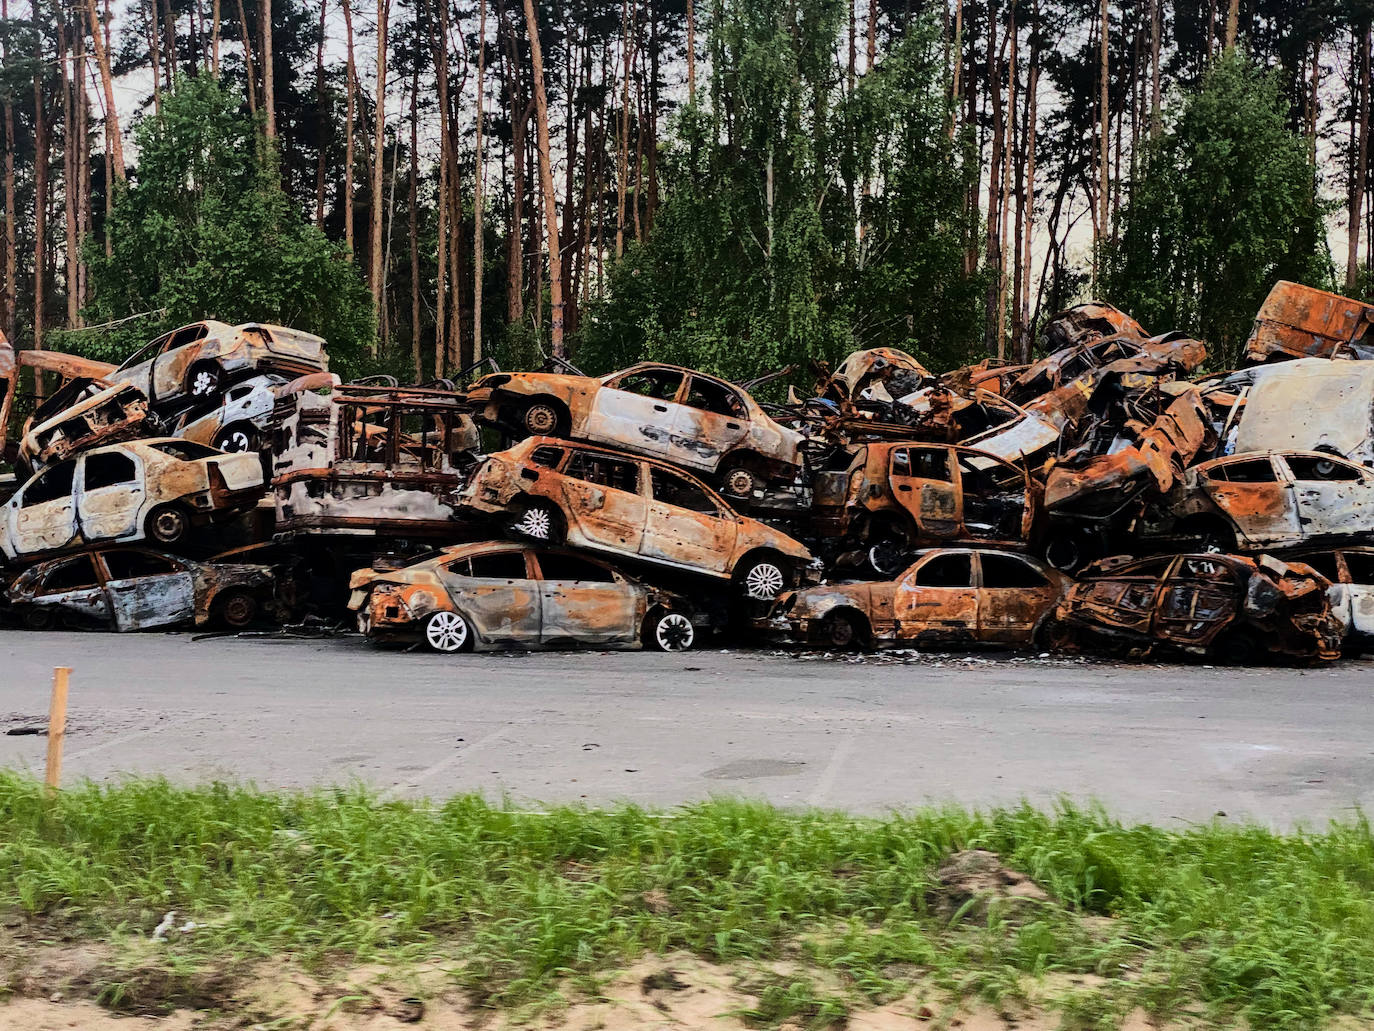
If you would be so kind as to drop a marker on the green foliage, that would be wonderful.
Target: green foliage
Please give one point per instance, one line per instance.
(1276, 930)
(204, 230)
(1226, 204)
(768, 249)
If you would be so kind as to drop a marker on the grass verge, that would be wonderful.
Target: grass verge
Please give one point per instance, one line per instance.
(1230, 922)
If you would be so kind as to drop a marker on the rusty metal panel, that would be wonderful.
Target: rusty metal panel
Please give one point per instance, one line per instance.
(1298, 321)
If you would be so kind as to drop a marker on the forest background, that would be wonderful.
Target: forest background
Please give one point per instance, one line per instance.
(734, 185)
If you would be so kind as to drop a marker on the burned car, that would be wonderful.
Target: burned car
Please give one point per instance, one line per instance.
(946, 598)
(1167, 355)
(1306, 404)
(491, 595)
(877, 374)
(1259, 500)
(558, 491)
(696, 421)
(127, 589)
(247, 414)
(887, 499)
(81, 415)
(1226, 606)
(197, 361)
(1351, 572)
(1297, 321)
(155, 489)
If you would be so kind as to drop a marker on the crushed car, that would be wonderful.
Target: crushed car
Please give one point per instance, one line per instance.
(947, 598)
(690, 419)
(1297, 321)
(1306, 404)
(887, 499)
(156, 489)
(130, 588)
(493, 595)
(1228, 607)
(1351, 572)
(80, 415)
(559, 491)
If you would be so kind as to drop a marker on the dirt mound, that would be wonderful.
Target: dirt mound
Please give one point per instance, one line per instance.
(974, 883)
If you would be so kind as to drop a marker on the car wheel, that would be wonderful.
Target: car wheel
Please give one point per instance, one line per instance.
(840, 632)
(763, 580)
(1053, 635)
(168, 524)
(538, 522)
(543, 419)
(38, 617)
(204, 380)
(237, 609)
(740, 483)
(887, 557)
(1240, 648)
(670, 632)
(237, 438)
(448, 632)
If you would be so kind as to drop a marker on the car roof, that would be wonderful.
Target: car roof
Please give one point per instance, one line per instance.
(1270, 452)
(560, 442)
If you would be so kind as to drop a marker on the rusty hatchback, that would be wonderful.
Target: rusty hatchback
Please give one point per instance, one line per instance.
(1270, 499)
(688, 418)
(127, 589)
(155, 489)
(83, 414)
(555, 491)
(947, 597)
(893, 497)
(500, 595)
(1227, 606)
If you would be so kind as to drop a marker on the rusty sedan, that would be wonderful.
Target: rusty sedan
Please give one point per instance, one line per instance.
(1226, 606)
(493, 595)
(155, 489)
(589, 497)
(678, 415)
(1273, 499)
(125, 589)
(947, 598)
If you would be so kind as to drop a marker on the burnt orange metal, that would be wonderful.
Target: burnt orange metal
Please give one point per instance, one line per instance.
(1297, 321)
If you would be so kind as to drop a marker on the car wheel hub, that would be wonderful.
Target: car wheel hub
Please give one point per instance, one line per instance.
(674, 632)
(203, 383)
(446, 632)
(541, 419)
(764, 582)
(536, 523)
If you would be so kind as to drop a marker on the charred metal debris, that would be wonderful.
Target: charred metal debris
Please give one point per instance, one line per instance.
(1109, 497)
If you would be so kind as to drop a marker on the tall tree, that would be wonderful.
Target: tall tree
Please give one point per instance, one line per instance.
(114, 143)
(375, 271)
(269, 93)
(541, 114)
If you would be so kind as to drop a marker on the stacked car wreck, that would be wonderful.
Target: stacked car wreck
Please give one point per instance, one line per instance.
(1111, 496)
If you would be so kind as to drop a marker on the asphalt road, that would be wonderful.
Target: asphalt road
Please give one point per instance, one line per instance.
(1158, 743)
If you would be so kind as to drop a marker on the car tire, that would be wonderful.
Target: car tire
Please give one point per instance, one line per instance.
(238, 438)
(203, 381)
(668, 631)
(544, 419)
(1240, 647)
(842, 632)
(763, 579)
(448, 632)
(740, 482)
(236, 609)
(168, 524)
(538, 521)
(888, 557)
(38, 617)
(1052, 635)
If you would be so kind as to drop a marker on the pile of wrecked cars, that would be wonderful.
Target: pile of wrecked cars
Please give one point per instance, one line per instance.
(1112, 496)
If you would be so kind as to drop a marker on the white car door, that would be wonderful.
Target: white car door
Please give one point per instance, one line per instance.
(42, 515)
(637, 410)
(1334, 497)
(1360, 590)
(147, 590)
(111, 497)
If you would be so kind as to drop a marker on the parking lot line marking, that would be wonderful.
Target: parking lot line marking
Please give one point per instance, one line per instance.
(396, 790)
(832, 769)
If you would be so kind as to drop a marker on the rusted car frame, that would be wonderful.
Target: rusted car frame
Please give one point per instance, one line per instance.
(1297, 321)
(1231, 607)
(677, 415)
(155, 489)
(493, 595)
(81, 415)
(1351, 573)
(633, 507)
(129, 589)
(946, 598)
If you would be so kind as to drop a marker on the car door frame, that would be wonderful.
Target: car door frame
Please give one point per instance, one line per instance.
(717, 558)
(97, 591)
(1285, 487)
(945, 630)
(16, 508)
(487, 586)
(555, 595)
(1305, 498)
(1218, 626)
(1011, 633)
(624, 418)
(130, 587)
(578, 513)
(701, 438)
(909, 492)
(134, 527)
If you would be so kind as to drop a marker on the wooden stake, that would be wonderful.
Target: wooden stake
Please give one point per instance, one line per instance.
(57, 727)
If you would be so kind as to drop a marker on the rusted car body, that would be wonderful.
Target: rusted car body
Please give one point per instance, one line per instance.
(1297, 321)
(247, 412)
(1270, 499)
(1171, 354)
(1231, 607)
(555, 490)
(1307, 404)
(127, 589)
(371, 461)
(495, 595)
(155, 489)
(676, 415)
(1088, 322)
(877, 374)
(1351, 573)
(890, 498)
(81, 415)
(946, 598)
(198, 361)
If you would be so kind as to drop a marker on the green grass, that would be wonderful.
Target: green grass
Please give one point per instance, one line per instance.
(1227, 920)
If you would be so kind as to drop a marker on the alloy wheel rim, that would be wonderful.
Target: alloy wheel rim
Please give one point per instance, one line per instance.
(446, 632)
(541, 419)
(204, 383)
(764, 581)
(674, 632)
(535, 523)
(169, 526)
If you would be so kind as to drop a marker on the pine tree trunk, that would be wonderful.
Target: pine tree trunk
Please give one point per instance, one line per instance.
(40, 209)
(319, 106)
(1156, 29)
(248, 68)
(9, 299)
(154, 52)
(1232, 23)
(269, 97)
(1359, 180)
(623, 144)
(872, 35)
(515, 266)
(350, 118)
(375, 270)
(691, 54)
(541, 115)
(1031, 126)
(1104, 133)
(479, 175)
(994, 256)
(114, 141)
(169, 32)
(853, 52)
(214, 37)
(70, 164)
(957, 67)
(415, 354)
(1004, 205)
